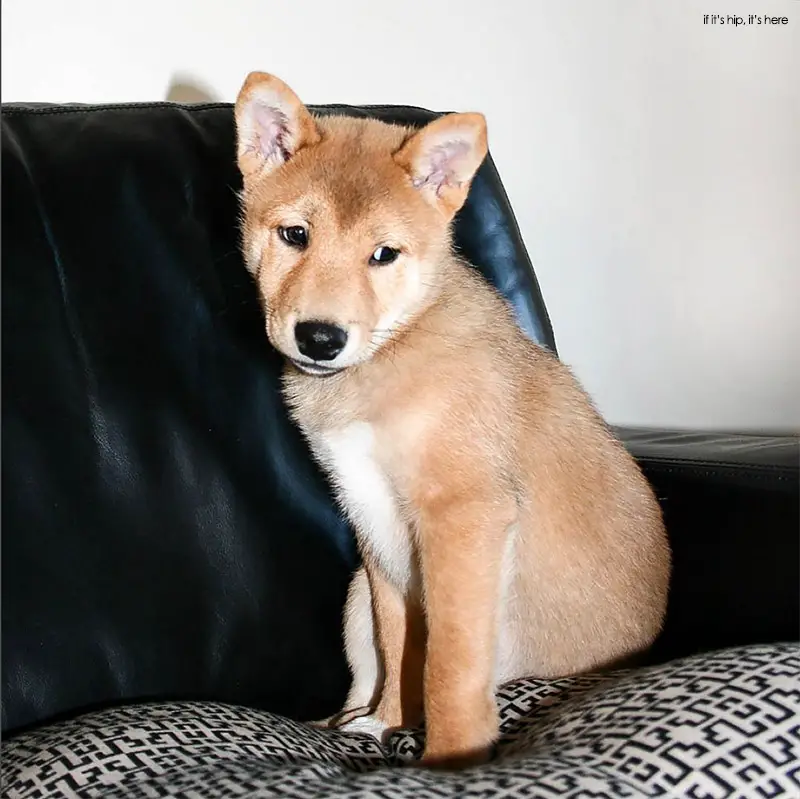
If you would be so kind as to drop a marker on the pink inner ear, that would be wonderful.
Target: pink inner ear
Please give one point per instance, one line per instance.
(441, 164)
(272, 129)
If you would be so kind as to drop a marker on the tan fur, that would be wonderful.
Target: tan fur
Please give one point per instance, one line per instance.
(536, 545)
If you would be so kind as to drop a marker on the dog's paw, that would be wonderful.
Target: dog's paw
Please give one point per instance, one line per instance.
(369, 725)
(458, 760)
(337, 720)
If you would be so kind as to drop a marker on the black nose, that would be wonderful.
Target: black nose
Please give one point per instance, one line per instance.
(319, 340)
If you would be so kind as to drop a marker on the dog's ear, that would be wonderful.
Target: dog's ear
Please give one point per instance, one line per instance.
(443, 157)
(272, 124)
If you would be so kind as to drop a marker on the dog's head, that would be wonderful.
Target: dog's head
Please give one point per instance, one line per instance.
(346, 221)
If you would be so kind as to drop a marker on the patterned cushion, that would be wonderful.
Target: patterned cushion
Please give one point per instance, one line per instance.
(720, 725)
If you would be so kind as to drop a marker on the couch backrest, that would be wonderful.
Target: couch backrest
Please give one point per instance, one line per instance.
(165, 533)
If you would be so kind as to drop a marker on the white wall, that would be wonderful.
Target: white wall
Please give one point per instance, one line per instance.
(653, 161)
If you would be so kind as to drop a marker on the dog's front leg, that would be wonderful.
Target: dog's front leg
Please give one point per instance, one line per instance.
(384, 643)
(461, 547)
(400, 633)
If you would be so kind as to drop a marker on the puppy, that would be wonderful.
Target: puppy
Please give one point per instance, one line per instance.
(504, 531)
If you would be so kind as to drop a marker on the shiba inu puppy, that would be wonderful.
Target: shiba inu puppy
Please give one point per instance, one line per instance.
(504, 531)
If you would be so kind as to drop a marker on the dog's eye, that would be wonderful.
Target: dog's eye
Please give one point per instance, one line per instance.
(294, 236)
(383, 256)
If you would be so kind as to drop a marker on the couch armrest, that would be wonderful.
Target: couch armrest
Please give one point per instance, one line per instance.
(732, 508)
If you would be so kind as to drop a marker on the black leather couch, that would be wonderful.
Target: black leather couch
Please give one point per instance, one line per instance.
(165, 535)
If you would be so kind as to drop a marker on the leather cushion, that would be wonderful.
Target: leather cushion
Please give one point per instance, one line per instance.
(165, 533)
(731, 505)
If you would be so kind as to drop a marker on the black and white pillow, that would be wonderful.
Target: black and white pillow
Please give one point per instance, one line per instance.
(720, 725)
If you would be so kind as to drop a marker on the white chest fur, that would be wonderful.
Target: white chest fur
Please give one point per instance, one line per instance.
(368, 498)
